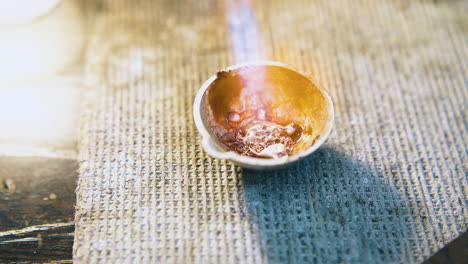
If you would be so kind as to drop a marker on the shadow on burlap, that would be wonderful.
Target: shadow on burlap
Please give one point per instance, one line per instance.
(329, 208)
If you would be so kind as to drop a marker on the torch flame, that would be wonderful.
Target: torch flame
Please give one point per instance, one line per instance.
(243, 30)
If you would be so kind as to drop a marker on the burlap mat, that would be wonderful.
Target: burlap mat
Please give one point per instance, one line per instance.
(390, 186)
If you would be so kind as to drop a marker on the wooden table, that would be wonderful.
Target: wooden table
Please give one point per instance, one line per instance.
(37, 197)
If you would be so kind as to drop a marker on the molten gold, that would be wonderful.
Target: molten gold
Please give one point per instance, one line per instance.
(265, 111)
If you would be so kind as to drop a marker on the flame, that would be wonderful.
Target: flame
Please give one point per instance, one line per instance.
(245, 44)
(243, 30)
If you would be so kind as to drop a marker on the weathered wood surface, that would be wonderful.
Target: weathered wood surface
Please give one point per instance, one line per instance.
(37, 197)
(454, 252)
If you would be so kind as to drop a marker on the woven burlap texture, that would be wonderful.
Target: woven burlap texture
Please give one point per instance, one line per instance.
(389, 186)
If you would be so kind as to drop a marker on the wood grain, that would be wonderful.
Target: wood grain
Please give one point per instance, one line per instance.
(36, 209)
(454, 252)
